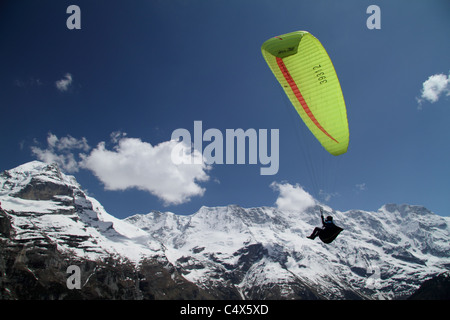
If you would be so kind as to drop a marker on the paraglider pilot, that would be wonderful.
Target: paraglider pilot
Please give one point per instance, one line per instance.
(329, 230)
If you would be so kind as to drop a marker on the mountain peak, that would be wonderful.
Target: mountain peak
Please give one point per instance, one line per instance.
(36, 180)
(405, 209)
(31, 166)
(35, 168)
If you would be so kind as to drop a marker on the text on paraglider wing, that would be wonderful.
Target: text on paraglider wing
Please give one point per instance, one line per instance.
(320, 75)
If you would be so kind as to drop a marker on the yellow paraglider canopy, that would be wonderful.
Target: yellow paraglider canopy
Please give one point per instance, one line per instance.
(306, 73)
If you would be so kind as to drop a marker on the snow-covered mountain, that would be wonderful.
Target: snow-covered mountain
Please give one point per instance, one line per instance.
(45, 203)
(232, 252)
(383, 254)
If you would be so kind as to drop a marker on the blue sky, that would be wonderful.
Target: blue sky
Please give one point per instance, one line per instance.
(115, 90)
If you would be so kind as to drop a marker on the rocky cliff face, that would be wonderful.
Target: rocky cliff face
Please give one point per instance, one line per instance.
(436, 288)
(38, 270)
(48, 223)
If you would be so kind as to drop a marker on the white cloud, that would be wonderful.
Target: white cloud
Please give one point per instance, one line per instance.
(29, 82)
(117, 135)
(292, 197)
(326, 196)
(136, 164)
(69, 143)
(131, 163)
(434, 87)
(66, 162)
(59, 151)
(361, 186)
(64, 83)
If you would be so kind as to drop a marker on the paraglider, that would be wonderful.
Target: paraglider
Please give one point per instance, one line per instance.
(307, 76)
(329, 230)
(305, 72)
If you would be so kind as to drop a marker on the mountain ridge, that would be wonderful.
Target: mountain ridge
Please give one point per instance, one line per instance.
(229, 251)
